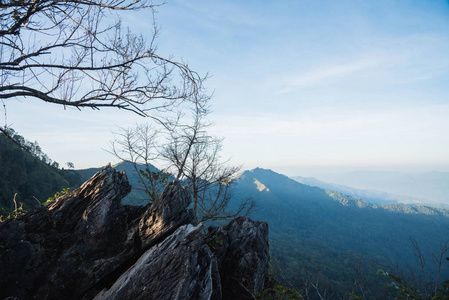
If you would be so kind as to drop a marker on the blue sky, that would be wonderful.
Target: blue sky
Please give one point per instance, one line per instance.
(299, 86)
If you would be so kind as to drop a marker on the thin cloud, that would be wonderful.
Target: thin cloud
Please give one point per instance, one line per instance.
(404, 60)
(321, 75)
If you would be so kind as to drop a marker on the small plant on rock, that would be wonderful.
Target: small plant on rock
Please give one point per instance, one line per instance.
(17, 212)
(57, 195)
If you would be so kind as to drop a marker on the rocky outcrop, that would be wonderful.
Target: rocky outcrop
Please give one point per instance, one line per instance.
(178, 268)
(86, 245)
(241, 249)
(166, 214)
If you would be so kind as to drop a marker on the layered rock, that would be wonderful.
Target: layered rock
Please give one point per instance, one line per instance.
(178, 268)
(87, 245)
(242, 253)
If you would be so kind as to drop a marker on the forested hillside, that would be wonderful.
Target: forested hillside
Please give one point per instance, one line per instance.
(33, 179)
(337, 240)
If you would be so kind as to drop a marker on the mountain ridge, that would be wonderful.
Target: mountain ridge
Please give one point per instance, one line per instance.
(262, 175)
(311, 227)
(428, 187)
(369, 195)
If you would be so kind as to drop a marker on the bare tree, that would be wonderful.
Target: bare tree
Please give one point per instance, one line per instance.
(189, 154)
(417, 283)
(140, 146)
(194, 157)
(428, 285)
(77, 53)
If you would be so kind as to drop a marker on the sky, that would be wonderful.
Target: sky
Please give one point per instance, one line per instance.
(300, 87)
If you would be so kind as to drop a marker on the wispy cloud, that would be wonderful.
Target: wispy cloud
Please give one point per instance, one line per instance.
(402, 60)
(338, 71)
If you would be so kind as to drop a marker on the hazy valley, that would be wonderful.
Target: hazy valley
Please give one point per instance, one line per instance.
(430, 188)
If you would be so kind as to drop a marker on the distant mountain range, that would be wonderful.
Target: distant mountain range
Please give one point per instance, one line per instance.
(320, 231)
(431, 188)
(369, 195)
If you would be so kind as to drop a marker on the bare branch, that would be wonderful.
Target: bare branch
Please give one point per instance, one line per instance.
(67, 52)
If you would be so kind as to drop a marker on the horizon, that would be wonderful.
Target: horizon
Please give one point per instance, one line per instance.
(300, 88)
(317, 171)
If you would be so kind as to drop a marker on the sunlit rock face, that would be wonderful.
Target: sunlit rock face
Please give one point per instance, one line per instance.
(260, 186)
(166, 214)
(180, 267)
(87, 245)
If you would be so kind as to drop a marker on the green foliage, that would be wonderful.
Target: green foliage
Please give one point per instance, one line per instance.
(401, 287)
(279, 292)
(29, 177)
(57, 195)
(214, 242)
(443, 291)
(17, 212)
(32, 148)
(405, 291)
(270, 272)
(353, 296)
(155, 182)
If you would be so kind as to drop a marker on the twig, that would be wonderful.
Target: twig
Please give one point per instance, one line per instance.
(15, 203)
(37, 200)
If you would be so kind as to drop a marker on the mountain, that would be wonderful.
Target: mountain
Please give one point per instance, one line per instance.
(136, 197)
(314, 231)
(371, 196)
(431, 187)
(33, 180)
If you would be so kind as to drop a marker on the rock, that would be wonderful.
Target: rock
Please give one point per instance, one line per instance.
(178, 268)
(88, 245)
(166, 214)
(242, 253)
(61, 251)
